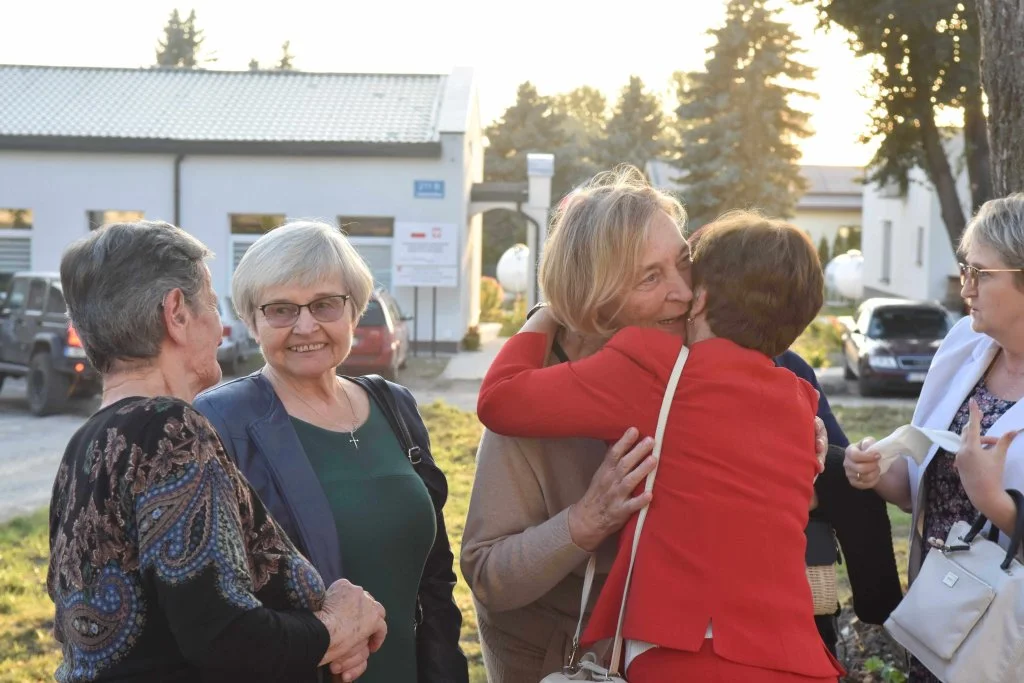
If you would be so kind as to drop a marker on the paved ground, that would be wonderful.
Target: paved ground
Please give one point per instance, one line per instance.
(31, 447)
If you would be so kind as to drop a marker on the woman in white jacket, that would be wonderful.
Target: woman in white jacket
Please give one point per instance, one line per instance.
(975, 383)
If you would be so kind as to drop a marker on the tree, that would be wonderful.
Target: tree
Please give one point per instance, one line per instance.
(536, 123)
(738, 128)
(532, 124)
(823, 254)
(584, 114)
(181, 43)
(254, 64)
(1002, 72)
(929, 51)
(286, 63)
(636, 131)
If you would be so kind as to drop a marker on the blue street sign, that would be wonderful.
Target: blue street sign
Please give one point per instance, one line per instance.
(428, 189)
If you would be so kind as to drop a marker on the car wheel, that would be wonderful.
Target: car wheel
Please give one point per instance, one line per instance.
(866, 387)
(230, 367)
(848, 371)
(47, 388)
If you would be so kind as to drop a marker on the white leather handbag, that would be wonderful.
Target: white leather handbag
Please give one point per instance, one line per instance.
(963, 616)
(587, 667)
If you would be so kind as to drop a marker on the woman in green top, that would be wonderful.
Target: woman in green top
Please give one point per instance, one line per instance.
(322, 453)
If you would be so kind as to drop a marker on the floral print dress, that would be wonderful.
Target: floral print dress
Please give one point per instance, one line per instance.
(158, 544)
(946, 502)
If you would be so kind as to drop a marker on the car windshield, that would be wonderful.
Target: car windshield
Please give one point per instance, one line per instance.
(908, 323)
(373, 316)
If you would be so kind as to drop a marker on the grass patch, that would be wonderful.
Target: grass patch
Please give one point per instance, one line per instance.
(877, 421)
(29, 653)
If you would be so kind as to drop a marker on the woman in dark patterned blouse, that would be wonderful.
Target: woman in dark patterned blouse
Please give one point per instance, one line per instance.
(164, 564)
(974, 387)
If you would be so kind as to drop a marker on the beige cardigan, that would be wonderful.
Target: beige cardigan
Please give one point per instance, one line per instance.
(518, 558)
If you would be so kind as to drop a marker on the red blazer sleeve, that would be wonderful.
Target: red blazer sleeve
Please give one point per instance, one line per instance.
(599, 396)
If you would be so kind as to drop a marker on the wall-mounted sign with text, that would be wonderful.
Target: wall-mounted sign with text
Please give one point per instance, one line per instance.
(428, 189)
(425, 255)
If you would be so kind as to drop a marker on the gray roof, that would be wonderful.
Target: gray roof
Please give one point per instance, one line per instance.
(189, 110)
(829, 188)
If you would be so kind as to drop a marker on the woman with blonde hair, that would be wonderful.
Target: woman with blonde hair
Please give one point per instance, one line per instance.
(541, 506)
(737, 466)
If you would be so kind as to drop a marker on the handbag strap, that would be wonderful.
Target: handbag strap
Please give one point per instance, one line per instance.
(377, 387)
(659, 436)
(993, 535)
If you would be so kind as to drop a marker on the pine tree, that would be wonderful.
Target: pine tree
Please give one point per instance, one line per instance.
(823, 254)
(636, 132)
(530, 125)
(584, 114)
(286, 62)
(738, 128)
(181, 43)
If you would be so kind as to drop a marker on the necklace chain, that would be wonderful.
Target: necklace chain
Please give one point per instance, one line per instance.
(351, 430)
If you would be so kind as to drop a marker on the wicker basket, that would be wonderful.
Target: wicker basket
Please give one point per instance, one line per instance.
(823, 587)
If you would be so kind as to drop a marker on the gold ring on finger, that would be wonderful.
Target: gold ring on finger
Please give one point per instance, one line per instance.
(858, 476)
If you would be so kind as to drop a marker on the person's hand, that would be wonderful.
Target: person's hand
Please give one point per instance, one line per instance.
(820, 442)
(861, 464)
(609, 502)
(981, 468)
(355, 622)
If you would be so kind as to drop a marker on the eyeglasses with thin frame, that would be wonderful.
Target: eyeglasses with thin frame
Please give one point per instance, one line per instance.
(971, 274)
(326, 309)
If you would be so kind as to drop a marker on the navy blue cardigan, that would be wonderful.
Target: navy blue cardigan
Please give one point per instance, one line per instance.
(258, 436)
(858, 518)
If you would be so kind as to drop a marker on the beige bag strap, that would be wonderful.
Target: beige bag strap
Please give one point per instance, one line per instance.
(588, 583)
(659, 435)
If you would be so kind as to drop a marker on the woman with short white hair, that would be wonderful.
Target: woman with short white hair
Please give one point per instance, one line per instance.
(350, 479)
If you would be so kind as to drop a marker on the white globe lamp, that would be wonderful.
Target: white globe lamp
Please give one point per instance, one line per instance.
(512, 270)
(845, 274)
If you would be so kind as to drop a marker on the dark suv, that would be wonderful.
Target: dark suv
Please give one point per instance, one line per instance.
(891, 343)
(38, 342)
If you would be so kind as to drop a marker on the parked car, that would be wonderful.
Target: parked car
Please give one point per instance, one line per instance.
(380, 342)
(38, 342)
(891, 342)
(236, 344)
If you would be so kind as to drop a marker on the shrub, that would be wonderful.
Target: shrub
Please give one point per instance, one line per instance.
(491, 297)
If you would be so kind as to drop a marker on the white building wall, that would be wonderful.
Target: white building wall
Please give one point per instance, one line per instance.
(820, 223)
(60, 188)
(919, 208)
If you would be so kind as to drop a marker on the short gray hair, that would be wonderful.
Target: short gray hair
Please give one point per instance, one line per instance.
(302, 253)
(115, 281)
(999, 224)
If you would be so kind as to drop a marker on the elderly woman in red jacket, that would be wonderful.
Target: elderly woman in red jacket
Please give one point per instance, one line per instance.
(719, 590)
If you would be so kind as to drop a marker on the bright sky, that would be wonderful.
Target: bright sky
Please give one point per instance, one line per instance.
(556, 44)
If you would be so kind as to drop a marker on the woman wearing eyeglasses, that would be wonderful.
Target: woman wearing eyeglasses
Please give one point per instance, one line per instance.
(323, 455)
(976, 381)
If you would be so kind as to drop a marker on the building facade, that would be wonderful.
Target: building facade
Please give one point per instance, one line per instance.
(229, 155)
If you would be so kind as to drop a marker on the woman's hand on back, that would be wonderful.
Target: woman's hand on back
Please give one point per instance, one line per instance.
(609, 502)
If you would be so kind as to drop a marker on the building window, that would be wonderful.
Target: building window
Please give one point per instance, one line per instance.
(255, 223)
(367, 226)
(100, 218)
(15, 219)
(920, 246)
(886, 252)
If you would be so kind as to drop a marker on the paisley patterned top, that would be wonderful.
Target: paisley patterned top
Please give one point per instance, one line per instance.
(158, 544)
(945, 501)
